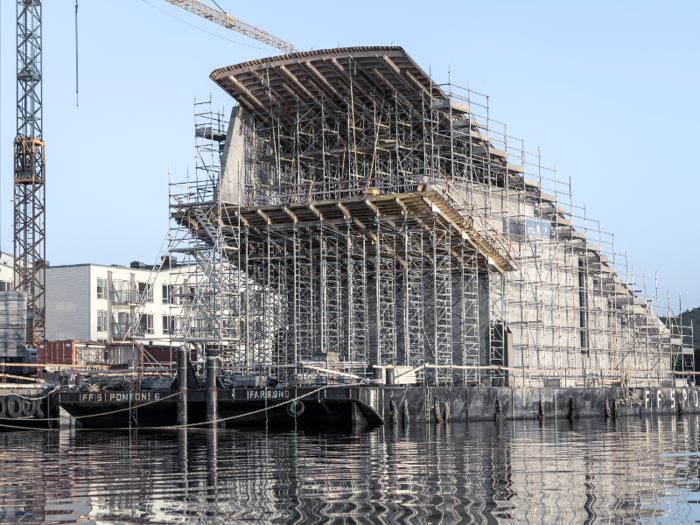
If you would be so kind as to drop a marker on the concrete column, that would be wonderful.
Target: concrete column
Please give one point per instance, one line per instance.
(182, 374)
(212, 374)
(133, 296)
(390, 376)
(379, 374)
(110, 287)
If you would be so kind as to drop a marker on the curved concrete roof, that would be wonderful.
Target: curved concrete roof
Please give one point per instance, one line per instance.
(374, 72)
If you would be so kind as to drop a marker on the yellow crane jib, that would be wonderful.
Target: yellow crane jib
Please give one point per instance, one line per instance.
(216, 16)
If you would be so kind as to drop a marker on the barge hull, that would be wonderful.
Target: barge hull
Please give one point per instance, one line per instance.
(375, 405)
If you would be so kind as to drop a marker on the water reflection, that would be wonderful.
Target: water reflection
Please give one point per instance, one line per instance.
(588, 471)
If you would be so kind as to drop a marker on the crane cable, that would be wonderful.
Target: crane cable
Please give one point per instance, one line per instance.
(220, 8)
(199, 28)
(76, 53)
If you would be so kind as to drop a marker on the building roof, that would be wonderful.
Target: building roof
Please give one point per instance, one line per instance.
(375, 73)
(142, 268)
(118, 266)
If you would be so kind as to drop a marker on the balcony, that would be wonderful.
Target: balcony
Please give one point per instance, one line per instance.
(125, 297)
(119, 331)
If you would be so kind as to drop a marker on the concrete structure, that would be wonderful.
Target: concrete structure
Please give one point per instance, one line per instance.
(356, 213)
(92, 302)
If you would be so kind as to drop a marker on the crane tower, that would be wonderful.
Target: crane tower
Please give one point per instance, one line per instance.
(30, 149)
(29, 171)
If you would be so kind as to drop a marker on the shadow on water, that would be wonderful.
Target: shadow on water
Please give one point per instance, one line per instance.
(554, 471)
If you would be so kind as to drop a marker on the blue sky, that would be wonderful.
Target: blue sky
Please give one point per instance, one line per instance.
(607, 90)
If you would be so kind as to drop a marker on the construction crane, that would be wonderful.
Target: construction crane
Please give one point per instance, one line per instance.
(218, 17)
(30, 151)
(29, 172)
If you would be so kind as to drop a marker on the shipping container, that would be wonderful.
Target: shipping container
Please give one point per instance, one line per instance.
(88, 353)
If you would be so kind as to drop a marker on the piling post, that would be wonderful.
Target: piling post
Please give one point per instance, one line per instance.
(212, 374)
(182, 366)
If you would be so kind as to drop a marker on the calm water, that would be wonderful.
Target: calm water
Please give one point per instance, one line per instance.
(643, 471)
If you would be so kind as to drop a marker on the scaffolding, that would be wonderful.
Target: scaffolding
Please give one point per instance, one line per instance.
(356, 214)
(211, 289)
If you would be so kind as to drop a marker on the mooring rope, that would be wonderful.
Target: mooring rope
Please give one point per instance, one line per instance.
(101, 413)
(230, 418)
(13, 393)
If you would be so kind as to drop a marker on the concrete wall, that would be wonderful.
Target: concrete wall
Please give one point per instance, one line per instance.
(233, 172)
(542, 302)
(429, 404)
(237, 165)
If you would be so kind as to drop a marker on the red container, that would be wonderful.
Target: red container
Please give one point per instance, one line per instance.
(87, 353)
(116, 355)
(56, 353)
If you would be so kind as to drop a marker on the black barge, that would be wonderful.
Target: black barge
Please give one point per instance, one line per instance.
(190, 403)
(330, 407)
(360, 405)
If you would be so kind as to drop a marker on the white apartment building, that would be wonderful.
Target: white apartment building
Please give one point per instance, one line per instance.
(93, 302)
(7, 272)
(13, 313)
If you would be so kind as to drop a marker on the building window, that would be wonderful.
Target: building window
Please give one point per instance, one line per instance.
(123, 318)
(171, 294)
(101, 288)
(121, 328)
(143, 287)
(6, 287)
(120, 293)
(147, 324)
(120, 285)
(168, 324)
(101, 321)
